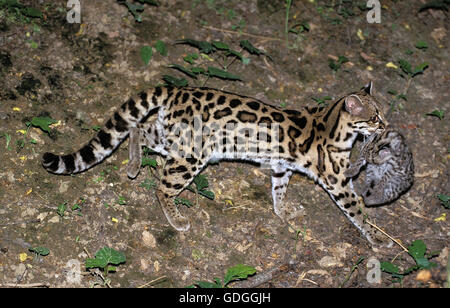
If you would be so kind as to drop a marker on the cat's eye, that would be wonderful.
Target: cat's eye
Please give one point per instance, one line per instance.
(374, 119)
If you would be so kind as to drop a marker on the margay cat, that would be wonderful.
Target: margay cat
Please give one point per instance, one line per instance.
(315, 141)
(389, 170)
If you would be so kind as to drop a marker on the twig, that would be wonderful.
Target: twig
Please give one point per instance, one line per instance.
(152, 282)
(264, 277)
(26, 285)
(390, 237)
(244, 33)
(301, 278)
(20, 222)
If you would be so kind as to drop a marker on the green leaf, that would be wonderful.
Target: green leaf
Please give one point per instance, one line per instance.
(239, 271)
(184, 70)
(421, 45)
(435, 5)
(183, 201)
(300, 27)
(110, 268)
(420, 69)
(176, 82)
(390, 268)
(423, 262)
(402, 96)
(134, 9)
(405, 66)
(392, 92)
(235, 54)
(147, 161)
(161, 48)
(215, 72)
(203, 46)
(201, 182)
(146, 54)
(42, 251)
(105, 256)
(250, 48)
(436, 113)
(190, 58)
(198, 70)
(8, 141)
(61, 209)
(417, 249)
(152, 2)
(220, 45)
(209, 285)
(93, 263)
(42, 122)
(238, 55)
(342, 59)
(322, 100)
(445, 200)
(32, 12)
(207, 193)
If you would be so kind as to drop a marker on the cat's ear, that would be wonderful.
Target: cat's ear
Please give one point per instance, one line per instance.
(368, 88)
(353, 105)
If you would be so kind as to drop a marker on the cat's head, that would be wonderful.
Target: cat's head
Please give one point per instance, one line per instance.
(364, 112)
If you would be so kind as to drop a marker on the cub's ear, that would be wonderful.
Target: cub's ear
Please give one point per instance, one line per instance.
(368, 88)
(353, 105)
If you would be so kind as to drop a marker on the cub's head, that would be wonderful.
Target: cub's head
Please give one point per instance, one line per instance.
(364, 112)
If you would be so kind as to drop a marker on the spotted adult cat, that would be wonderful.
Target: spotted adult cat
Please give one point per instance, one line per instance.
(389, 167)
(197, 125)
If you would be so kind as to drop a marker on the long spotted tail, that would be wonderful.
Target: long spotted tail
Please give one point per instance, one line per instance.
(109, 137)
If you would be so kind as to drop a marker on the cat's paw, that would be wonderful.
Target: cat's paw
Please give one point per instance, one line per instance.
(289, 211)
(133, 168)
(180, 223)
(378, 240)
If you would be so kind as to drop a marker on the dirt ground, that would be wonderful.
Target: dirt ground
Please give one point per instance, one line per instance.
(78, 73)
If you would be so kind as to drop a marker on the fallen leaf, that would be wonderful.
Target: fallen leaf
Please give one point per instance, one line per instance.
(438, 34)
(443, 217)
(360, 35)
(23, 256)
(229, 202)
(391, 65)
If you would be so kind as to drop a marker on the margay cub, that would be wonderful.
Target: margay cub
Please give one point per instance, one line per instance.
(196, 125)
(389, 167)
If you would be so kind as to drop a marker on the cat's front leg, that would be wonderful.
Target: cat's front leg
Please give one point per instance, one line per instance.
(353, 207)
(280, 181)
